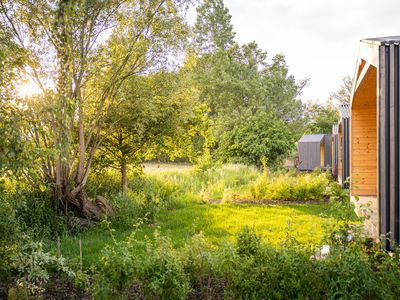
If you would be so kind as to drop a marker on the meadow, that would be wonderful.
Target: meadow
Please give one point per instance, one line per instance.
(178, 202)
(180, 232)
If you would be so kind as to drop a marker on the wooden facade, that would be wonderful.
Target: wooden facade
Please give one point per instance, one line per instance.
(374, 152)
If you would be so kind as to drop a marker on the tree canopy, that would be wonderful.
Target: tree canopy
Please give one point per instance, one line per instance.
(123, 82)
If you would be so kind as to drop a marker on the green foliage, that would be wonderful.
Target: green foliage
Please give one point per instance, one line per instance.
(248, 242)
(346, 270)
(320, 118)
(144, 198)
(253, 137)
(37, 214)
(11, 143)
(9, 234)
(162, 271)
(248, 269)
(157, 116)
(309, 186)
(116, 272)
(33, 266)
(213, 29)
(158, 272)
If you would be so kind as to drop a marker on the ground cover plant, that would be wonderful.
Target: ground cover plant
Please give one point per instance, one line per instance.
(166, 240)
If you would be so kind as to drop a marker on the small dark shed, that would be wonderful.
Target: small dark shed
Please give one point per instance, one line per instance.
(314, 151)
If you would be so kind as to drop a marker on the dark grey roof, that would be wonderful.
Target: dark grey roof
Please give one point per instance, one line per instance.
(344, 110)
(382, 40)
(310, 138)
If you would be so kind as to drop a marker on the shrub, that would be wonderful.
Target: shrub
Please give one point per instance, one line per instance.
(106, 184)
(37, 214)
(248, 242)
(162, 271)
(255, 271)
(33, 266)
(117, 270)
(162, 192)
(129, 207)
(290, 187)
(9, 233)
(196, 259)
(157, 273)
(349, 275)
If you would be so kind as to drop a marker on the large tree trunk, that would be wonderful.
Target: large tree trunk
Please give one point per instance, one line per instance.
(84, 207)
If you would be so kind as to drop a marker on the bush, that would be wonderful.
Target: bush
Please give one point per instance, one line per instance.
(247, 269)
(9, 233)
(117, 270)
(33, 266)
(309, 186)
(162, 271)
(130, 207)
(157, 273)
(162, 192)
(37, 215)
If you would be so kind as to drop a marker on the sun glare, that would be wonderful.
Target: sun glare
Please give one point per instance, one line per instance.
(28, 88)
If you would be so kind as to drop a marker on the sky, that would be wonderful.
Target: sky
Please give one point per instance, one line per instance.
(319, 38)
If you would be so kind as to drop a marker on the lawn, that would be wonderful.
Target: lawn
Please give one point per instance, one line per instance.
(218, 222)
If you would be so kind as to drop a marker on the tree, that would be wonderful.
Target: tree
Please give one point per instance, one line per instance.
(11, 142)
(213, 30)
(282, 92)
(343, 94)
(254, 137)
(71, 45)
(152, 119)
(320, 118)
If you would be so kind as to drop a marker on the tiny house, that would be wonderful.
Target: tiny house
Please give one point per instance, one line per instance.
(314, 151)
(374, 135)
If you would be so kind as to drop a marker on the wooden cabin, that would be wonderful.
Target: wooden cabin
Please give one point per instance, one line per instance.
(374, 135)
(314, 151)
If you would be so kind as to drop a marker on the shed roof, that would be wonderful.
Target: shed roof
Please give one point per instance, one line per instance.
(311, 138)
(344, 110)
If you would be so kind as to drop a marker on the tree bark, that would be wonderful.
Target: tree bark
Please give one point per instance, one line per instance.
(90, 209)
(124, 176)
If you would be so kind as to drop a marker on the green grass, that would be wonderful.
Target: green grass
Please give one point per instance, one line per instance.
(219, 223)
(185, 200)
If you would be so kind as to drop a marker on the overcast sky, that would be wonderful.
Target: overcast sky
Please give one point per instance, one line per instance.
(318, 37)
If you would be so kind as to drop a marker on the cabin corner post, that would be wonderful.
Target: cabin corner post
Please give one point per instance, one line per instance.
(388, 143)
